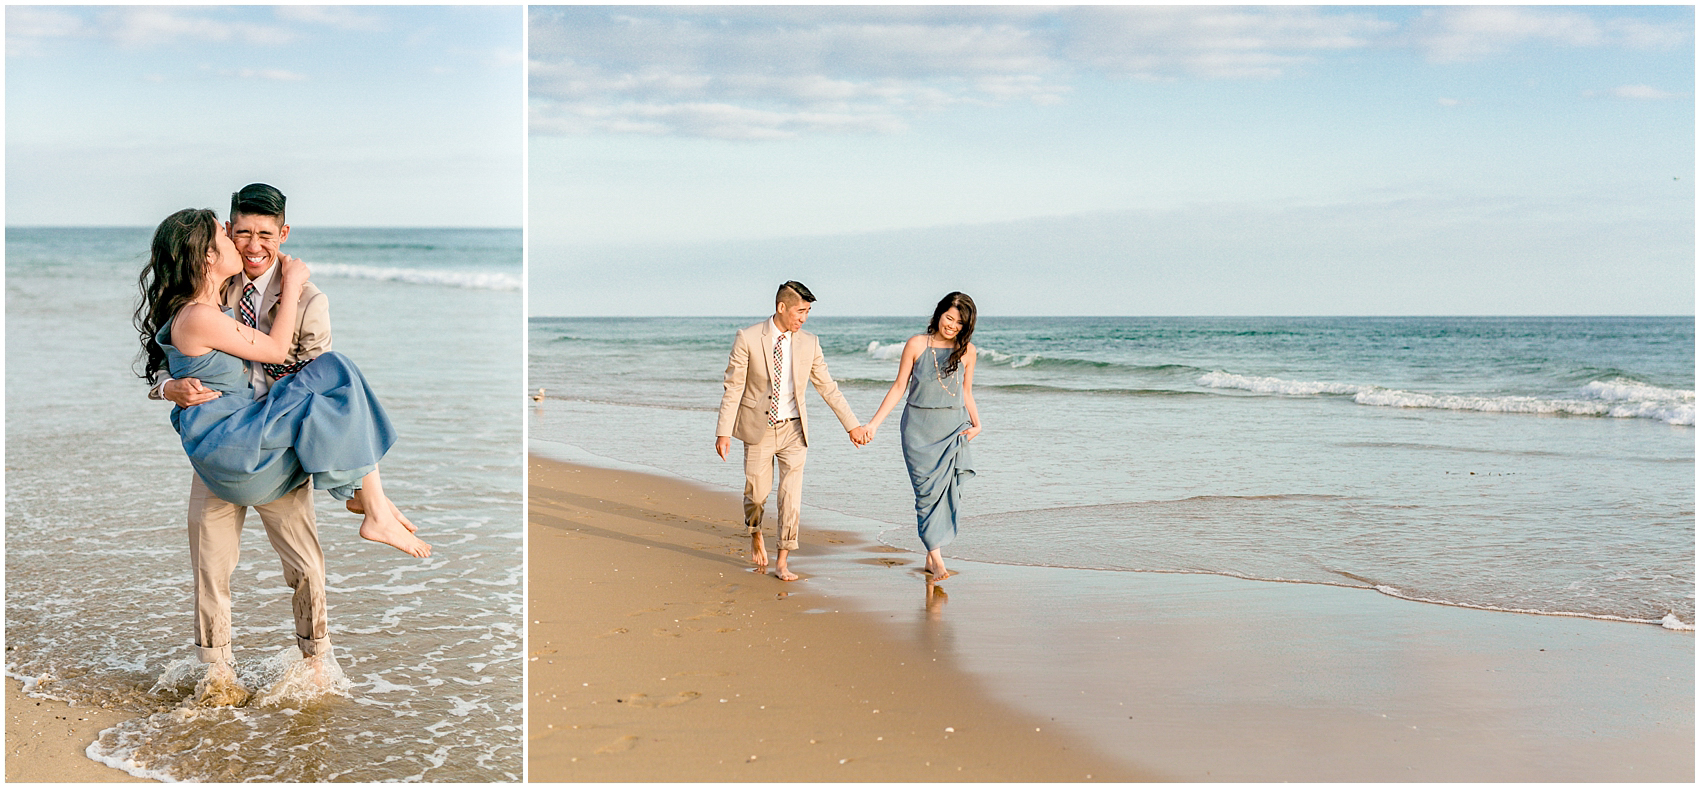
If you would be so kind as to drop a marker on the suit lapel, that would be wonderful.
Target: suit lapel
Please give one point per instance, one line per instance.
(767, 339)
(268, 299)
(799, 370)
(233, 292)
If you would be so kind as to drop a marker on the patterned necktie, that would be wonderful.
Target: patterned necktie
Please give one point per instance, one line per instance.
(252, 320)
(778, 369)
(249, 319)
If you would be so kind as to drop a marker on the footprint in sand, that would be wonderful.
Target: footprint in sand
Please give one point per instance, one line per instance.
(887, 549)
(726, 629)
(540, 652)
(621, 744)
(835, 541)
(615, 631)
(643, 701)
(647, 610)
(663, 632)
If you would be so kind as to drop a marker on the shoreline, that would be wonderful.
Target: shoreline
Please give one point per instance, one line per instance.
(1207, 677)
(657, 655)
(46, 740)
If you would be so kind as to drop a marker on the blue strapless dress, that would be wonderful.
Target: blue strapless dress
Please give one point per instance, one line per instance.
(321, 422)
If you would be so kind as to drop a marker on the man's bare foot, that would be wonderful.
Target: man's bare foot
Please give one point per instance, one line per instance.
(782, 571)
(386, 528)
(320, 676)
(758, 552)
(220, 687)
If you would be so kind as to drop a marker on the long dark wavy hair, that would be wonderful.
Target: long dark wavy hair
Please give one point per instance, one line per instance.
(965, 308)
(175, 272)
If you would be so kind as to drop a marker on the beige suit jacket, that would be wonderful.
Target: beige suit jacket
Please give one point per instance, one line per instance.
(312, 316)
(312, 321)
(749, 372)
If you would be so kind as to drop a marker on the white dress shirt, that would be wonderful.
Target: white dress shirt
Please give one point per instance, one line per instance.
(787, 382)
(257, 373)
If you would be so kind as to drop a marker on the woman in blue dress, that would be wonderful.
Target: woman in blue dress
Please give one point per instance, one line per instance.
(320, 422)
(935, 380)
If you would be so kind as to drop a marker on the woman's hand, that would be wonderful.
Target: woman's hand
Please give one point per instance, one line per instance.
(968, 434)
(292, 269)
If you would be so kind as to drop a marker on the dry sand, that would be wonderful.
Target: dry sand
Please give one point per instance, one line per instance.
(45, 740)
(657, 655)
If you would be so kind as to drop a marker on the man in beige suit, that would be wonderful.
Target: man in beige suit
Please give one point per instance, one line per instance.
(257, 227)
(763, 406)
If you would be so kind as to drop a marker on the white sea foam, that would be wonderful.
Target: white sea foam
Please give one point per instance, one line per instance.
(1226, 380)
(885, 352)
(882, 351)
(1619, 390)
(1618, 399)
(471, 280)
(1670, 621)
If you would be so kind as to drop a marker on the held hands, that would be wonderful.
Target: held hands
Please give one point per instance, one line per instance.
(861, 436)
(968, 434)
(187, 392)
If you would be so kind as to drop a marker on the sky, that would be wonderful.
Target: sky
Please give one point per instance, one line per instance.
(1110, 160)
(371, 116)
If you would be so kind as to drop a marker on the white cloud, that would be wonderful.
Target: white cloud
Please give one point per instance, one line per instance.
(149, 27)
(745, 74)
(1640, 92)
(1458, 35)
(336, 17)
(1171, 42)
(771, 72)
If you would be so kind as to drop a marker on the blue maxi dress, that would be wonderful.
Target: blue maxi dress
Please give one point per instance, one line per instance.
(934, 450)
(321, 422)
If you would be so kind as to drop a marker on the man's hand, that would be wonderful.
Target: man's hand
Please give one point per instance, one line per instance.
(860, 436)
(722, 445)
(187, 392)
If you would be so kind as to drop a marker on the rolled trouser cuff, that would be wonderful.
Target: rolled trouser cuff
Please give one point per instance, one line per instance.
(787, 544)
(312, 647)
(216, 654)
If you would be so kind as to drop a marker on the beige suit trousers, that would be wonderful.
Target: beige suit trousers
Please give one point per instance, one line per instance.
(215, 535)
(782, 442)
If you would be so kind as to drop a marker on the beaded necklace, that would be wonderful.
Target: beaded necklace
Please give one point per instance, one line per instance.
(938, 371)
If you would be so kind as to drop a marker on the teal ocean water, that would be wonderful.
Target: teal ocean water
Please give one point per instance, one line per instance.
(98, 606)
(1532, 464)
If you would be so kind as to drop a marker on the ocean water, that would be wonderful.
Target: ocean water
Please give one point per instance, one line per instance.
(1538, 465)
(98, 606)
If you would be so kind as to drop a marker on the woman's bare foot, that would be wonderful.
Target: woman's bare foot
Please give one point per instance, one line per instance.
(935, 566)
(387, 529)
(758, 552)
(353, 505)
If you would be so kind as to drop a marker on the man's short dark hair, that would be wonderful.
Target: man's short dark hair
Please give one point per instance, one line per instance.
(796, 289)
(258, 199)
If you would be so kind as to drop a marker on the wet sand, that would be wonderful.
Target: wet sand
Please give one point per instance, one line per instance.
(45, 740)
(657, 655)
(1166, 676)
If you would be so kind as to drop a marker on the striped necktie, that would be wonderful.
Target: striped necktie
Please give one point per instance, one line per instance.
(778, 369)
(249, 319)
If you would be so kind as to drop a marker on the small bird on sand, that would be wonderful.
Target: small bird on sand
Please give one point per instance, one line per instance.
(538, 397)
